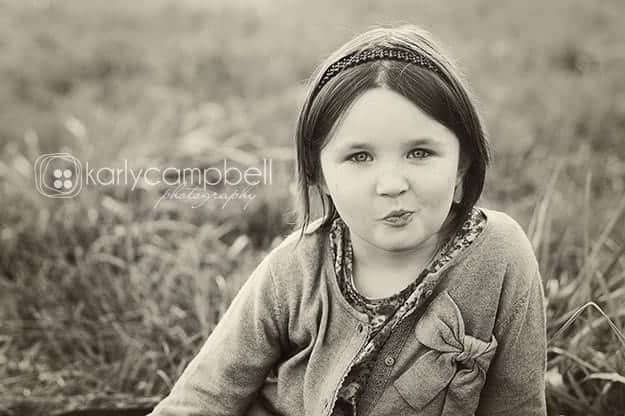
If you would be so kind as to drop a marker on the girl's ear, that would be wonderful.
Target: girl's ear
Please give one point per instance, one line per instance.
(323, 185)
(458, 192)
(463, 166)
(460, 177)
(462, 169)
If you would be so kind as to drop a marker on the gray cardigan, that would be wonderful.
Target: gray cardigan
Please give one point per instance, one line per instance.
(288, 339)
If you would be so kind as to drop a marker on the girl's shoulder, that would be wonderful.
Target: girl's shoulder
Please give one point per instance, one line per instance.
(501, 222)
(302, 255)
(295, 266)
(506, 240)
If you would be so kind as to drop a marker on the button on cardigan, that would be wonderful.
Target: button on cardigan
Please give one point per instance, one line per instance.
(289, 338)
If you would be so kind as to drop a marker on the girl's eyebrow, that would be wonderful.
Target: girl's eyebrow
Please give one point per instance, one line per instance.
(408, 143)
(423, 140)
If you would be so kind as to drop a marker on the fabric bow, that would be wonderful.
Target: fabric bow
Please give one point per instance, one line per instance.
(454, 360)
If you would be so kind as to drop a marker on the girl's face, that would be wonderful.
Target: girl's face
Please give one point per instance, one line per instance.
(386, 154)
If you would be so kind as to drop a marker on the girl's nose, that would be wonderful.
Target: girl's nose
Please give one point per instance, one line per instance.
(391, 184)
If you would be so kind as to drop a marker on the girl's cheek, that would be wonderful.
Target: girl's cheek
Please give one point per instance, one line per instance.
(439, 188)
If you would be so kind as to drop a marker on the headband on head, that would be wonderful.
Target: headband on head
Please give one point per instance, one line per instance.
(377, 53)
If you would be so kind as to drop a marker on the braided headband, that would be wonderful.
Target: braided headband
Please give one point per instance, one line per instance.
(377, 53)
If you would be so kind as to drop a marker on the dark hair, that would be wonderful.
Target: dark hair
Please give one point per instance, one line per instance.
(442, 96)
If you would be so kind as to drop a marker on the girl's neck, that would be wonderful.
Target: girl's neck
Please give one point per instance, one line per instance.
(379, 274)
(368, 258)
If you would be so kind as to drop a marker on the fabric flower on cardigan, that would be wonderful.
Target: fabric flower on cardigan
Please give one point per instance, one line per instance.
(453, 360)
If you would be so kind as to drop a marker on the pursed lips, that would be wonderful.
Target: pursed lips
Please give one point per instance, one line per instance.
(397, 213)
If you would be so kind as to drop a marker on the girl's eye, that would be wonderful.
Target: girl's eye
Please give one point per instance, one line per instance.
(420, 153)
(359, 157)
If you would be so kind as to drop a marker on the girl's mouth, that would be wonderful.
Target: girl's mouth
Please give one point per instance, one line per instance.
(398, 218)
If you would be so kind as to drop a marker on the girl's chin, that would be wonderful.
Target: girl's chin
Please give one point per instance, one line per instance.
(402, 239)
(392, 231)
(399, 248)
(398, 244)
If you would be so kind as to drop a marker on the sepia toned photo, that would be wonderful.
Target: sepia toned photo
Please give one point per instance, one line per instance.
(288, 208)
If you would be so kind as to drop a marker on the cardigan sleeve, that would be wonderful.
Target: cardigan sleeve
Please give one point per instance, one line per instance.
(515, 382)
(231, 366)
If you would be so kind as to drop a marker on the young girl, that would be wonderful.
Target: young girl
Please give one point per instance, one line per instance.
(404, 298)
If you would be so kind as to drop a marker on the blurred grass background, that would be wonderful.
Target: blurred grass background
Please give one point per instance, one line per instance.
(104, 299)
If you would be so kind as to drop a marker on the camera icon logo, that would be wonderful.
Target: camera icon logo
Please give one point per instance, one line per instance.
(58, 175)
